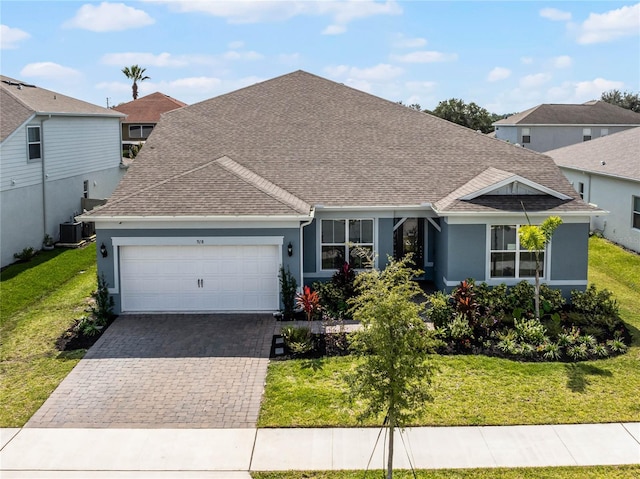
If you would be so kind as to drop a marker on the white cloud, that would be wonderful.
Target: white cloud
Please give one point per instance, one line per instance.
(590, 90)
(341, 13)
(236, 45)
(108, 17)
(405, 42)
(534, 81)
(10, 37)
(425, 57)
(614, 24)
(563, 61)
(51, 71)
(161, 60)
(498, 73)
(334, 30)
(555, 14)
(380, 72)
(526, 60)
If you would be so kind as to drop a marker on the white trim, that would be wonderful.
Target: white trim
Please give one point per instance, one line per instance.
(399, 224)
(514, 179)
(516, 251)
(434, 224)
(182, 225)
(118, 241)
(154, 221)
(420, 207)
(574, 125)
(515, 218)
(319, 269)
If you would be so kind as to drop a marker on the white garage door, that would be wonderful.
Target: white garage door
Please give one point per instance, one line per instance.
(199, 278)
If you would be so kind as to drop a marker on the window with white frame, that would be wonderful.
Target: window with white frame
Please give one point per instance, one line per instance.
(636, 212)
(140, 131)
(340, 238)
(509, 259)
(526, 135)
(581, 189)
(34, 143)
(586, 134)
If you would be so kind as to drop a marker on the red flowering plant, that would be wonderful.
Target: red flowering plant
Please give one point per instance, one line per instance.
(309, 302)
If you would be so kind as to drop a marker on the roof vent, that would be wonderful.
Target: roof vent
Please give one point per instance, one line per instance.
(19, 86)
(603, 162)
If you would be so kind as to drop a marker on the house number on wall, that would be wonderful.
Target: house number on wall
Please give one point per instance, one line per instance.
(200, 241)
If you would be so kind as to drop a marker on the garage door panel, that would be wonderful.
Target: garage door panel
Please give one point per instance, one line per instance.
(200, 278)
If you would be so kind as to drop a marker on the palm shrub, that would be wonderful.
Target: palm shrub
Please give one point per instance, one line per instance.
(288, 289)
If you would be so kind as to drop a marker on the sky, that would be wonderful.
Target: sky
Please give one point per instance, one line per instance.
(506, 56)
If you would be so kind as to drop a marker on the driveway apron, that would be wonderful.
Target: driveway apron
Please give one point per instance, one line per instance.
(167, 371)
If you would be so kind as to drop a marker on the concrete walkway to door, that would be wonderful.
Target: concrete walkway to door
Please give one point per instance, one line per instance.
(167, 371)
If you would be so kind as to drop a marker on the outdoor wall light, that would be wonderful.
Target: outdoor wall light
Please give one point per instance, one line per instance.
(103, 251)
(290, 249)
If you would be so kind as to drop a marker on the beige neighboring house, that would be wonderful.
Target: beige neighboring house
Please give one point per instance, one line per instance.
(606, 172)
(550, 126)
(142, 116)
(58, 156)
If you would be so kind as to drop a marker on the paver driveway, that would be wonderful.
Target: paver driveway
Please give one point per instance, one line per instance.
(167, 371)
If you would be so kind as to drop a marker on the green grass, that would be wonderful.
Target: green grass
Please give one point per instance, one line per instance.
(592, 472)
(478, 390)
(40, 300)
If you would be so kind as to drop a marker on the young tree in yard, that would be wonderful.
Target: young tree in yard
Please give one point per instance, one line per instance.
(394, 374)
(135, 73)
(535, 239)
(628, 100)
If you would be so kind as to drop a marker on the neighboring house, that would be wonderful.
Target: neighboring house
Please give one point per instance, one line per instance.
(550, 126)
(142, 116)
(297, 171)
(606, 172)
(56, 155)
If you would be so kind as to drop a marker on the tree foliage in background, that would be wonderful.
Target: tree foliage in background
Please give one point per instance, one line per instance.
(394, 374)
(135, 73)
(627, 100)
(466, 114)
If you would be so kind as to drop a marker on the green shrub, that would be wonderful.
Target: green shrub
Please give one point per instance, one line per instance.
(551, 299)
(335, 294)
(459, 328)
(492, 300)
(521, 297)
(530, 331)
(288, 290)
(440, 311)
(103, 308)
(592, 302)
(578, 352)
(25, 255)
(297, 339)
(551, 351)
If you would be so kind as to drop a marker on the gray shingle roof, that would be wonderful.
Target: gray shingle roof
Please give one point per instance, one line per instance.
(320, 142)
(148, 109)
(589, 113)
(20, 100)
(615, 155)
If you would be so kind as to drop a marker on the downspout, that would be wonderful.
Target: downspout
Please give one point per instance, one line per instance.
(44, 177)
(302, 225)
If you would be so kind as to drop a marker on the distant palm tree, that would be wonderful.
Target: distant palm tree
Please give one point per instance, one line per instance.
(135, 73)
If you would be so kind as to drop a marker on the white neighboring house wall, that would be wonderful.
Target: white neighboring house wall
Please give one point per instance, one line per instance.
(74, 149)
(612, 194)
(544, 138)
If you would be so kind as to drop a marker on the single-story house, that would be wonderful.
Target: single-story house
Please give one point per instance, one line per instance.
(550, 126)
(606, 172)
(58, 156)
(142, 116)
(295, 172)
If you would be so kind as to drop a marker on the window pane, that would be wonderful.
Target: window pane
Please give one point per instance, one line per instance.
(339, 231)
(355, 235)
(327, 231)
(33, 134)
(134, 131)
(333, 257)
(503, 265)
(528, 265)
(636, 220)
(367, 231)
(356, 260)
(34, 151)
(636, 204)
(503, 237)
(146, 131)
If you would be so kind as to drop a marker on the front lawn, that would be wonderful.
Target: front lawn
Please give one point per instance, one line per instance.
(480, 390)
(592, 472)
(40, 300)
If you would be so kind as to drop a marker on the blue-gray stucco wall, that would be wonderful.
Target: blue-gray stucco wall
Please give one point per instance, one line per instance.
(460, 253)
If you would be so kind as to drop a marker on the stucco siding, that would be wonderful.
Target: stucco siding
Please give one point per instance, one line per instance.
(467, 252)
(614, 195)
(570, 252)
(21, 220)
(385, 241)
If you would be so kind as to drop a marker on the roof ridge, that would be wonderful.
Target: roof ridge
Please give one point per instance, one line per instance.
(475, 184)
(264, 185)
(19, 100)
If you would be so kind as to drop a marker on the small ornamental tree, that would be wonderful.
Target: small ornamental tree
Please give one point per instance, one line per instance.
(394, 374)
(535, 239)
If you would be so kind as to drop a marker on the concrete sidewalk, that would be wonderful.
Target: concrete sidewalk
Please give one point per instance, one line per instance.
(215, 453)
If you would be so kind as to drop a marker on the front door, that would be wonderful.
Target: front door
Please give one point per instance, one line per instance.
(408, 237)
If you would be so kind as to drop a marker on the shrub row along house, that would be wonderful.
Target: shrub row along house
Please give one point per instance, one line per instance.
(297, 171)
(57, 154)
